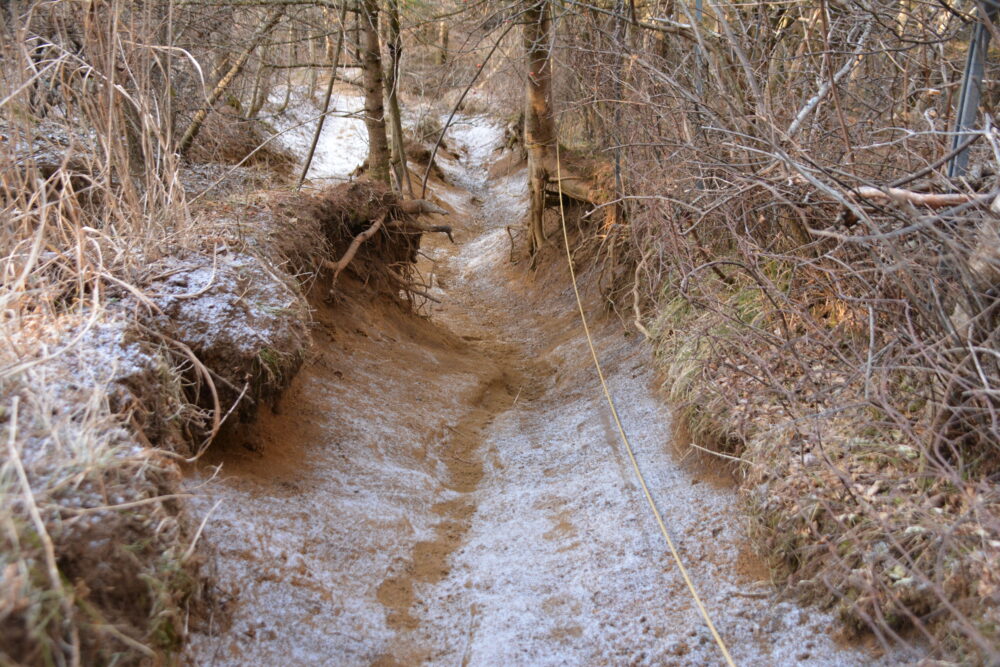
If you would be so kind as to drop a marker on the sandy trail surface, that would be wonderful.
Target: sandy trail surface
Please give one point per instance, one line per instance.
(449, 488)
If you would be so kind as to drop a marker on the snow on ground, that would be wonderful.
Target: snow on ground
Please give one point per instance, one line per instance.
(476, 141)
(564, 563)
(342, 146)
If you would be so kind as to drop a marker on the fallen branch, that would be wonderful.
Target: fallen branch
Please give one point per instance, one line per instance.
(341, 264)
(930, 200)
(220, 88)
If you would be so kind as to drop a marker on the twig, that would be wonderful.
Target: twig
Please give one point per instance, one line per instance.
(719, 454)
(190, 550)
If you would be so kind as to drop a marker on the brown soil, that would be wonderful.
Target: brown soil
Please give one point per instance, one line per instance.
(428, 560)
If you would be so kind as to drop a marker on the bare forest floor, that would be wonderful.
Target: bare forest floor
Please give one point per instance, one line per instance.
(448, 487)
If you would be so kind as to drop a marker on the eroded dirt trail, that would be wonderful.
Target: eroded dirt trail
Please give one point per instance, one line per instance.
(449, 490)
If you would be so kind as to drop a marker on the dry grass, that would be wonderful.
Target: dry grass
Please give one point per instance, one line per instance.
(98, 397)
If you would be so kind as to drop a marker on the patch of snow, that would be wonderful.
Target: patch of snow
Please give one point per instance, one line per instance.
(232, 305)
(475, 139)
(342, 146)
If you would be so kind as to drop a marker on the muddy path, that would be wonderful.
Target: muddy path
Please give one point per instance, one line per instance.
(448, 488)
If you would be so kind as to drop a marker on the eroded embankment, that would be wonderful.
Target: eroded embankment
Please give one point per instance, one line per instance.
(451, 490)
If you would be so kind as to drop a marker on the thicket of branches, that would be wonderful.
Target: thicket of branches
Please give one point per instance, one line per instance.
(839, 335)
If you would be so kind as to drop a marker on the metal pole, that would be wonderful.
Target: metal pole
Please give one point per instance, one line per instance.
(972, 82)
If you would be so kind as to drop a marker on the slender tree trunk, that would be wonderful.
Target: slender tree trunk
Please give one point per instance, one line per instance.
(394, 44)
(260, 90)
(357, 41)
(378, 144)
(618, 72)
(539, 125)
(441, 57)
(313, 75)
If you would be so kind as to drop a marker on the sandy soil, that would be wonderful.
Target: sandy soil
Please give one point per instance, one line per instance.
(450, 490)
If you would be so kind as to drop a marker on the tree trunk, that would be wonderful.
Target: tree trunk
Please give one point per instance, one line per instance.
(261, 87)
(441, 57)
(394, 44)
(378, 144)
(539, 125)
(313, 77)
(619, 37)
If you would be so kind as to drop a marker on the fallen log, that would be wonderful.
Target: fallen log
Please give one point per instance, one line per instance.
(930, 200)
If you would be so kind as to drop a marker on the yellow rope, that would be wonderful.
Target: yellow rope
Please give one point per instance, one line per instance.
(621, 430)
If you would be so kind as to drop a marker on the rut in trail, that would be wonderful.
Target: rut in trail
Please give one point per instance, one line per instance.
(450, 490)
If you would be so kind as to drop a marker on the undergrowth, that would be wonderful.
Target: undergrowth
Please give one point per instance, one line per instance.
(847, 497)
(109, 275)
(839, 339)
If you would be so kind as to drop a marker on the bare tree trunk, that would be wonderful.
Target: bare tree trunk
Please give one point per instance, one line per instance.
(394, 43)
(313, 76)
(378, 144)
(199, 118)
(539, 125)
(618, 72)
(441, 57)
(261, 87)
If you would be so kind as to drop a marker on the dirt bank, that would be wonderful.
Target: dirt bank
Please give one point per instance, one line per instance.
(450, 490)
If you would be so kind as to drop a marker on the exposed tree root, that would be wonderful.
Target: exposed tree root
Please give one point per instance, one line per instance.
(341, 264)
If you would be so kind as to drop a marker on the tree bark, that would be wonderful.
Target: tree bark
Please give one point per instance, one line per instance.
(378, 144)
(539, 124)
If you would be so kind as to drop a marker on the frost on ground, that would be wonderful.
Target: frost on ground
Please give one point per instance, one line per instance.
(343, 144)
(453, 491)
(82, 396)
(246, 324)
(95, 400)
